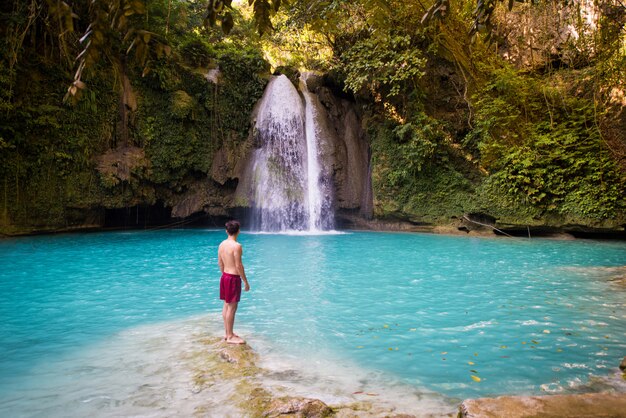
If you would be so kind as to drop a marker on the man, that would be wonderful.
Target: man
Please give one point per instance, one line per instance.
(229, 259)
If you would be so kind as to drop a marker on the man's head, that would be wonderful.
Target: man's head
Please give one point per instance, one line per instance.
(232, 227)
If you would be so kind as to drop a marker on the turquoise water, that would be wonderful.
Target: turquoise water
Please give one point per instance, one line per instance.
(425, 311)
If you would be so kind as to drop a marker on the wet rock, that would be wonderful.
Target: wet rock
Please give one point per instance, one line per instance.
(240, 354)
(292, 73)
(590, 405)
(622, 365)
(299, 407)
(314, 82)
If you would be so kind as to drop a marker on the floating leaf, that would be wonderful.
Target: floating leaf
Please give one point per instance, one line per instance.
(390, 349)
(444, 352)
(413, 329)
(476, 354)
(385, 326)
(475, 378)
(558, 350)
(546, 331)
(503, 346)
(523, 342)
(471, 363)
(534, 342)
(473, 371)
(359, 346)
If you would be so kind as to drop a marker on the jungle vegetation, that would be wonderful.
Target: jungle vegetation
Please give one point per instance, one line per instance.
(512, 109)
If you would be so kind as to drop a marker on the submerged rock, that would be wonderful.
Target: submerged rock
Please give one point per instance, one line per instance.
(590, 405)
(622, 365)
(299, 407)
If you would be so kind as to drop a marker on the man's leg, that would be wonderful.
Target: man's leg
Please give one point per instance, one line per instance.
(229, 323)
(224, 316)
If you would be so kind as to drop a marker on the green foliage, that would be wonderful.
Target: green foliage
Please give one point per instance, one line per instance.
(388, 61)
(183, 118)
(412, 172)
(196, 51)
(545, 148)
(245, 74)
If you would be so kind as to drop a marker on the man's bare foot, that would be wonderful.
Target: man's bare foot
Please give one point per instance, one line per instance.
(235, 339)
(224, 338)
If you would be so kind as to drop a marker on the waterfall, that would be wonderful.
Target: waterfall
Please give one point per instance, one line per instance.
(320, 190)
(290, 192)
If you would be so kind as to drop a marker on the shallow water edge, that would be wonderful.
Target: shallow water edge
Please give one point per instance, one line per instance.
(182, 368)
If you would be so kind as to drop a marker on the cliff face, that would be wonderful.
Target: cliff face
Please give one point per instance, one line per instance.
(524, 133)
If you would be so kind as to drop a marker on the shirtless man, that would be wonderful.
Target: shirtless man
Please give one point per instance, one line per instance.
(229, 259)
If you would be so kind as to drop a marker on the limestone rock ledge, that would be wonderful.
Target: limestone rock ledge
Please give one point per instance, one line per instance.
(590, 405)
(236, 366)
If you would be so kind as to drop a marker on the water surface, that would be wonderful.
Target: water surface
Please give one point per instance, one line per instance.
(90, 322)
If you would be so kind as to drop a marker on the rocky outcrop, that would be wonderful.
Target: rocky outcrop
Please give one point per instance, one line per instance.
(235, 366)
(591, 405)
(346, 149)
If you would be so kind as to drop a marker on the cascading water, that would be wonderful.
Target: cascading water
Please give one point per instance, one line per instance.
(290, 193)
(321, 216)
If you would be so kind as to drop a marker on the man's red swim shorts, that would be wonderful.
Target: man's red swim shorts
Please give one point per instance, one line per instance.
(230, 288)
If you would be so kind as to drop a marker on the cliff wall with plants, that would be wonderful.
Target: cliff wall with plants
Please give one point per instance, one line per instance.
(136, 134)
(505, 113)
(511, 114)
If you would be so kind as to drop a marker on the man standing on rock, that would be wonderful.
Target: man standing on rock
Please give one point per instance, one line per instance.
(229, 259)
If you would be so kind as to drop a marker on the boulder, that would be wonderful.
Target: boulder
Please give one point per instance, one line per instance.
(299, 407)
(622, 365)
(590, 405)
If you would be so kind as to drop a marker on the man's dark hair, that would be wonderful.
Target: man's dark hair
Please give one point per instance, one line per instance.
(232, 227)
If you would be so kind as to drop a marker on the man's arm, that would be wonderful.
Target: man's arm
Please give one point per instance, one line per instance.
(220, 262)
(239, 266)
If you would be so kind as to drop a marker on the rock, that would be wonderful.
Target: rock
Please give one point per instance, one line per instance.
(240, 354)
(118, 164)
(190, 204)
(292, 73)
(314, 82)
(477, 222)
(590, 405)
(622, 365)
(299, 407)
(220, 167)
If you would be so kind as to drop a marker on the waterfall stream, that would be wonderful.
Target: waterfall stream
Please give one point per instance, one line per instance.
(291, 190)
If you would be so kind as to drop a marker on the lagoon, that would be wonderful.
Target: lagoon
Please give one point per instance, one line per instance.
(97, 323)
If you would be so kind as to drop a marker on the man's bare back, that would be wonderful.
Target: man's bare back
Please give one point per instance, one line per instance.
(229, 256)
